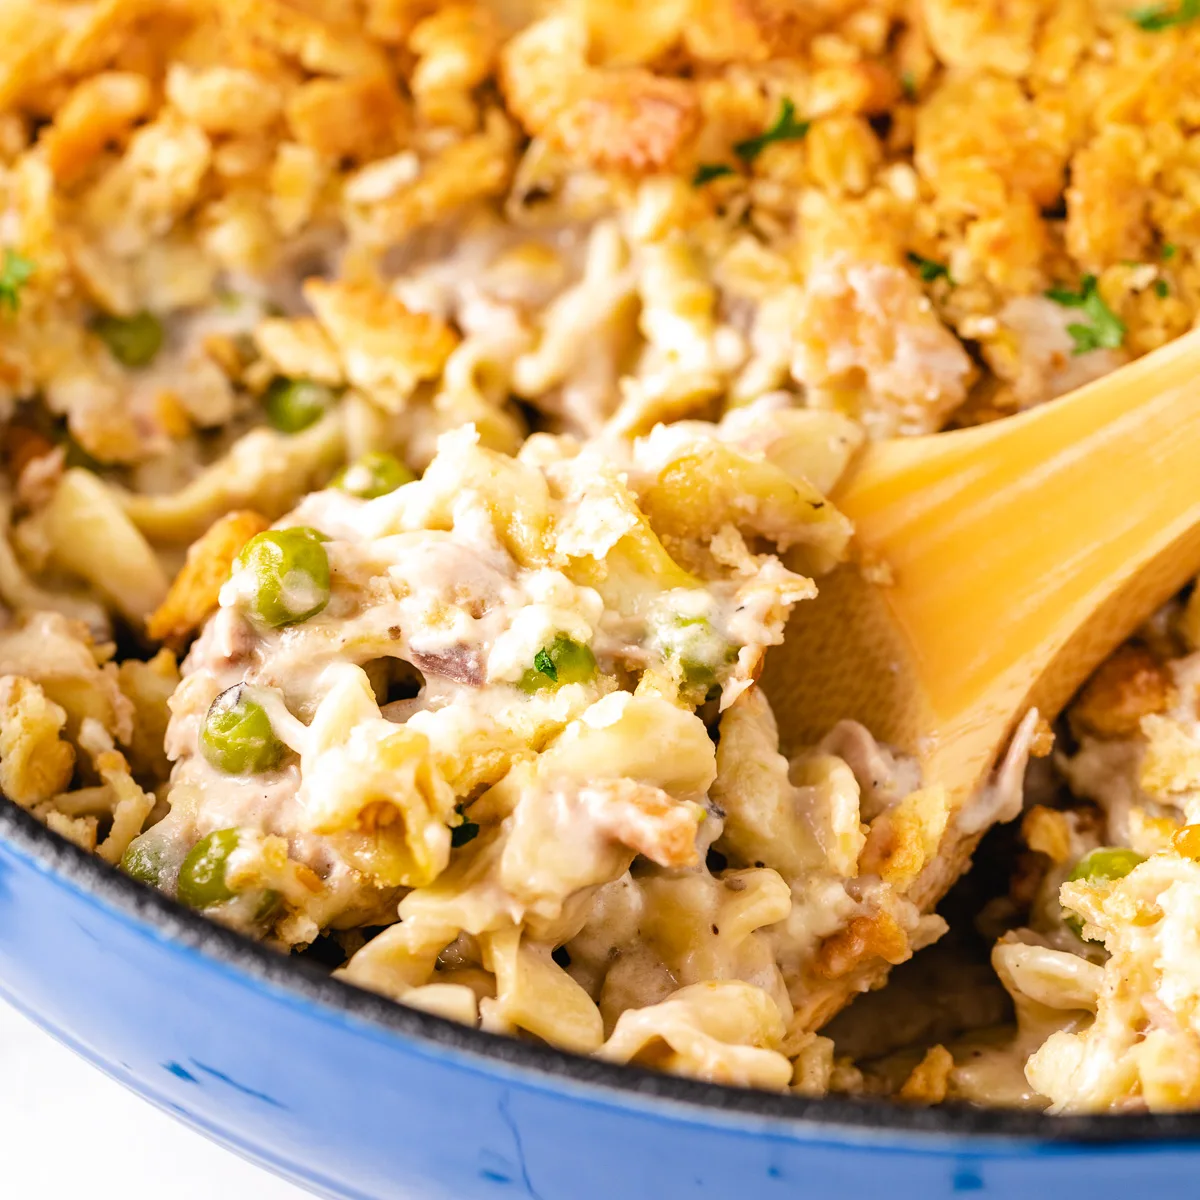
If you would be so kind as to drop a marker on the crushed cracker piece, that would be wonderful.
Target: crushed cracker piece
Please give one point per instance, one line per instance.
(193, 593)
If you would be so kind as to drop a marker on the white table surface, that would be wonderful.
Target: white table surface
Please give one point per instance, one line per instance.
(68, 1132)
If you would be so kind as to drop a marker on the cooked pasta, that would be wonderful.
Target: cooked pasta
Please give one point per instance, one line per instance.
(418, 423)
(1101, 972)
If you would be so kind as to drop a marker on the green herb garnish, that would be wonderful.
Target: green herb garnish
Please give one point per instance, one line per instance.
(1159, 16)
(908, 81)
(1162, 289)
(929, 269)
(544, 665)
(563, 661)
(1106, 330)
(460, 835)
(784, 129)
(706, 172)
(15, 273)
(1169, 250)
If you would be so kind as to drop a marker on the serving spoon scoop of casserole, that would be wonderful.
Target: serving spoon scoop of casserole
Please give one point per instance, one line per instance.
(997, 566)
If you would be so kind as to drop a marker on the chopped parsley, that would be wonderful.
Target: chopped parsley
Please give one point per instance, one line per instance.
(929, 269)
(563, 661)
(460, 835)
(15, 273)
(706, 172)
(1162, 289)
(1105, 329)
(1169, 250)
(543, 664)
(908, 81)
(784, 129)
(1160, 16)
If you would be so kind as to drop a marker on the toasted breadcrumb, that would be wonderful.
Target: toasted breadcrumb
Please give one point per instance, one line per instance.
(35, 761)
(1129, 686)
(385, 349)
(687, 239)
(930, 1078)
(193, 593)
(864, 940)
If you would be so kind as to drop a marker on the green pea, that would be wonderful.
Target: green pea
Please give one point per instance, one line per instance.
(699, 678)
(132, 341)
(700, 653)
(291, 575)
(237, 737)
(268, 905)
(1100, 866)
(1109, 862)
(202, 875)
(143, 860)
(373, 475)
(295, 404)
(202, 881)
(563, 661)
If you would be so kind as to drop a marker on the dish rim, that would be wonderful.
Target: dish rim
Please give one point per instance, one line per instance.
(845, 1117)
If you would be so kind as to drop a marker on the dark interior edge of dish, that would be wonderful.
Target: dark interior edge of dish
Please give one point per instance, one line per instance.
(828, 1112)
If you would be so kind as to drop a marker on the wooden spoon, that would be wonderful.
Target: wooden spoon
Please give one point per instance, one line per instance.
(997, 566)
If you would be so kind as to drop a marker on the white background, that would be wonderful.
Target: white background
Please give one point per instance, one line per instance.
(68, 1132)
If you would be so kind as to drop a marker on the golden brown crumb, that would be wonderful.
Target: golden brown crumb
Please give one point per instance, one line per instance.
(322, 47)
(864, 939)
(171, 414)
(930, 1078)
(350, 119)
(1108, 202)
(754, 30)
(299, 349)
(193, 593)
(623, 118)
(101, 110)
(1042, 741)
(1048, 832)
(1187, 842)
(475, 168)
(1129, 686)
(35, 761)
(906, 837)
(385, 348)
(23, 446)
(456, 50)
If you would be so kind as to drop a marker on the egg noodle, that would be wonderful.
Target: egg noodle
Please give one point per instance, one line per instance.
(418, 422)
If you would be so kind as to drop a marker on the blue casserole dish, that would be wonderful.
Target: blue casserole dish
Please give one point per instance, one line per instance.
(353, 1096)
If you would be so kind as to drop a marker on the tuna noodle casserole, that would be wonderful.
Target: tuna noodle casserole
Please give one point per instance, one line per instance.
(418, 418)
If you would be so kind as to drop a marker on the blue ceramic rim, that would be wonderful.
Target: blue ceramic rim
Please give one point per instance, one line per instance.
(825, 1118)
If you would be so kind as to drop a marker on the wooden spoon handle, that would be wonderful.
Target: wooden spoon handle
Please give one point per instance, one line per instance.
(1019, 554)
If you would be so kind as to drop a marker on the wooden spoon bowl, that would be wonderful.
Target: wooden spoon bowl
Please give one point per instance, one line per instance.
(997, 566)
